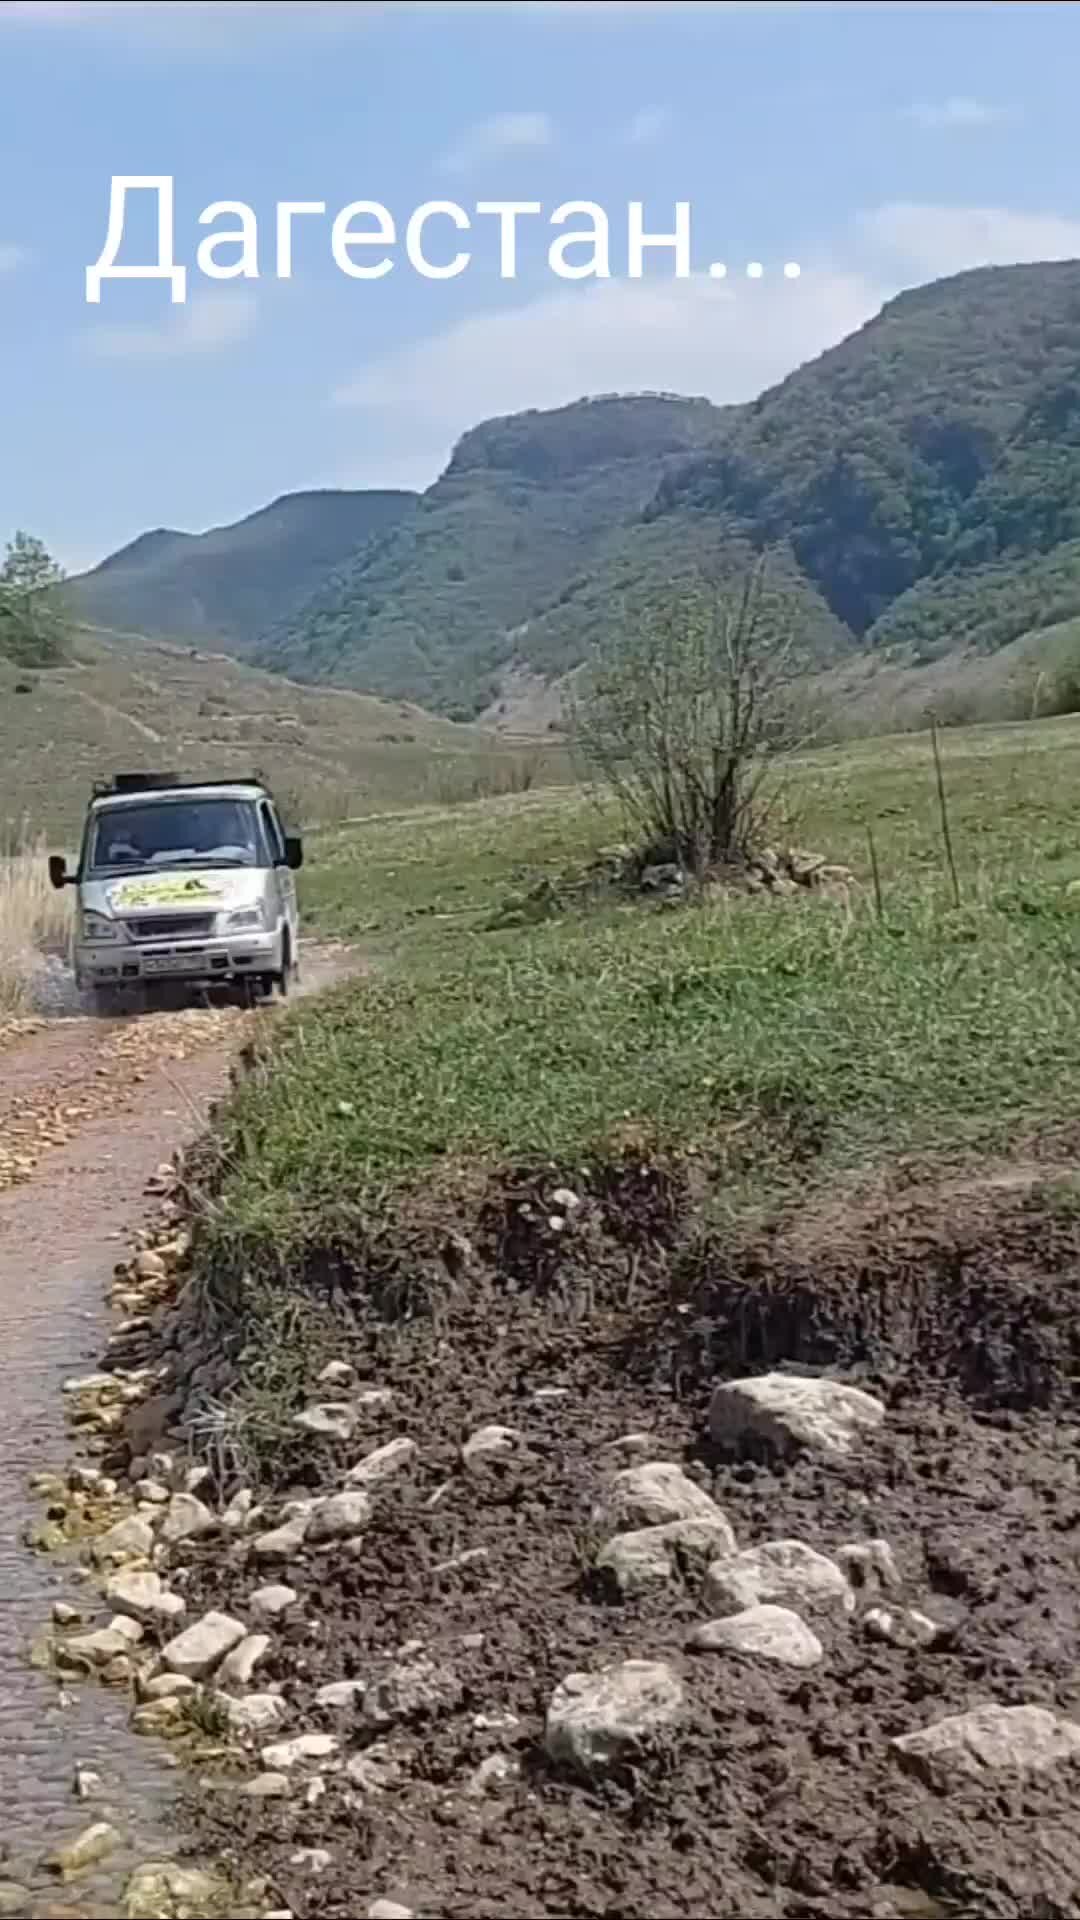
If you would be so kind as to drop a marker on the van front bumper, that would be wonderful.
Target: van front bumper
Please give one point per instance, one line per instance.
(114, 963)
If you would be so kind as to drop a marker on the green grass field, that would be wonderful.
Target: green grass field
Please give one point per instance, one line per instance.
(778, 1043)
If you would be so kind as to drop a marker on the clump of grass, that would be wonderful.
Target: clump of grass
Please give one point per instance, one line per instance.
(34, 919)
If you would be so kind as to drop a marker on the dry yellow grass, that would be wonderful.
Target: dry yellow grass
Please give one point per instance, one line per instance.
(34, 920)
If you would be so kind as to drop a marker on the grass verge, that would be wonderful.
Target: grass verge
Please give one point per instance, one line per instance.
(34, 919)
(760, 1038)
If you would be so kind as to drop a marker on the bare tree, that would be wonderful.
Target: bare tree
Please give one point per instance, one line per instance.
(685, 711)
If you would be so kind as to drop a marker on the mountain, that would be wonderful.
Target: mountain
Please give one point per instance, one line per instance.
(229, 584)
(887, 461)
(124, 702)
(920, 482)
(522, 512)
(905, 470)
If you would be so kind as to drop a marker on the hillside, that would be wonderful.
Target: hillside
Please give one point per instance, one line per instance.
(520, 517)
(935, 445)
(127, 702)
(922, 477)
(230, 583)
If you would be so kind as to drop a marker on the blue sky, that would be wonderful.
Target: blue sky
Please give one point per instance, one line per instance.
(877, 146)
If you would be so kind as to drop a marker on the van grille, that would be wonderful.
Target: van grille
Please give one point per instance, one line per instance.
(172, 926)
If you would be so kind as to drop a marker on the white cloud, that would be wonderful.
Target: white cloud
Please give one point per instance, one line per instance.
(698, 336)
(12, 257)
(206, 324)
(930, 241)
(725, 339)
(647, 125)
(959, 112)
(503, 133)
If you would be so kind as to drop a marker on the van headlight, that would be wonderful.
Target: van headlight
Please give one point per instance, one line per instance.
(95, 926)
(245, 917)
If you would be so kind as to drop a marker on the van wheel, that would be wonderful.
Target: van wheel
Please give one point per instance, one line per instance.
(284, 980)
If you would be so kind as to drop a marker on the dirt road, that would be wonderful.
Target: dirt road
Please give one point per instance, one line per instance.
(88, 1111)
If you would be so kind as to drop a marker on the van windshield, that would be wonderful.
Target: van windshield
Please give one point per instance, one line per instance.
(174, 833)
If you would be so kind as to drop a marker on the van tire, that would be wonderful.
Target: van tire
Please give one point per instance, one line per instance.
(284, 980)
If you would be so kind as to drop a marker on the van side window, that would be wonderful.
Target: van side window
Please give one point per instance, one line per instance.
(275, 838)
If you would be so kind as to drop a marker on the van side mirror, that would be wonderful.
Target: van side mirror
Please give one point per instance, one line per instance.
(58, 872)
(294, 851)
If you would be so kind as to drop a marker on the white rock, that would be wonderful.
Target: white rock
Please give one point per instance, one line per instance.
(255, 1715)
(496, 1771)
(103, 1645)
(92, 1384)
(64, 1615)
(785, 1413)
(650, 1496)
(267, 1786)
(488, 1443)
(769, 1633)
(168, 1686)
(409, 1691)
(784, 1572)
(94, 1843)
(870, 1566)
(85, 1479)
(238, 1511)
(315, 1859)
(373, 1770)
(144, 1596)
(160, 1717)
(338, 1373)
(566, 1200)
(161, 1466)
(341, 1694)
(339, 1518)
(388, 1910)
(197, 1477)
(303, 1746)
(652, 1556)
(130, 1539)
(161, 1887)
(595, 1720)
(238, 1666)
(269, 1603)
(284, 1542)
(906, 1627)
(332, 1418)
(986, 1742)
(87, 1784)
(198, 1650)
(383, 1463)
(185, 1519)
(152, 1492)
(632, 1443)
(374, 1399)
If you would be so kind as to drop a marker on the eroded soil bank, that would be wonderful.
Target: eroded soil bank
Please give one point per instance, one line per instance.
(590, 1325)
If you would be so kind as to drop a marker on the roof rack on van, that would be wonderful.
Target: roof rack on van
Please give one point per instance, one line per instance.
(146, 782)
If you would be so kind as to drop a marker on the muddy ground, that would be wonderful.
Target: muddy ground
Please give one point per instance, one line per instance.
(779, 1796)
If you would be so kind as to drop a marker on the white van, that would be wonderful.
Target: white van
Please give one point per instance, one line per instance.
(183, 882)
